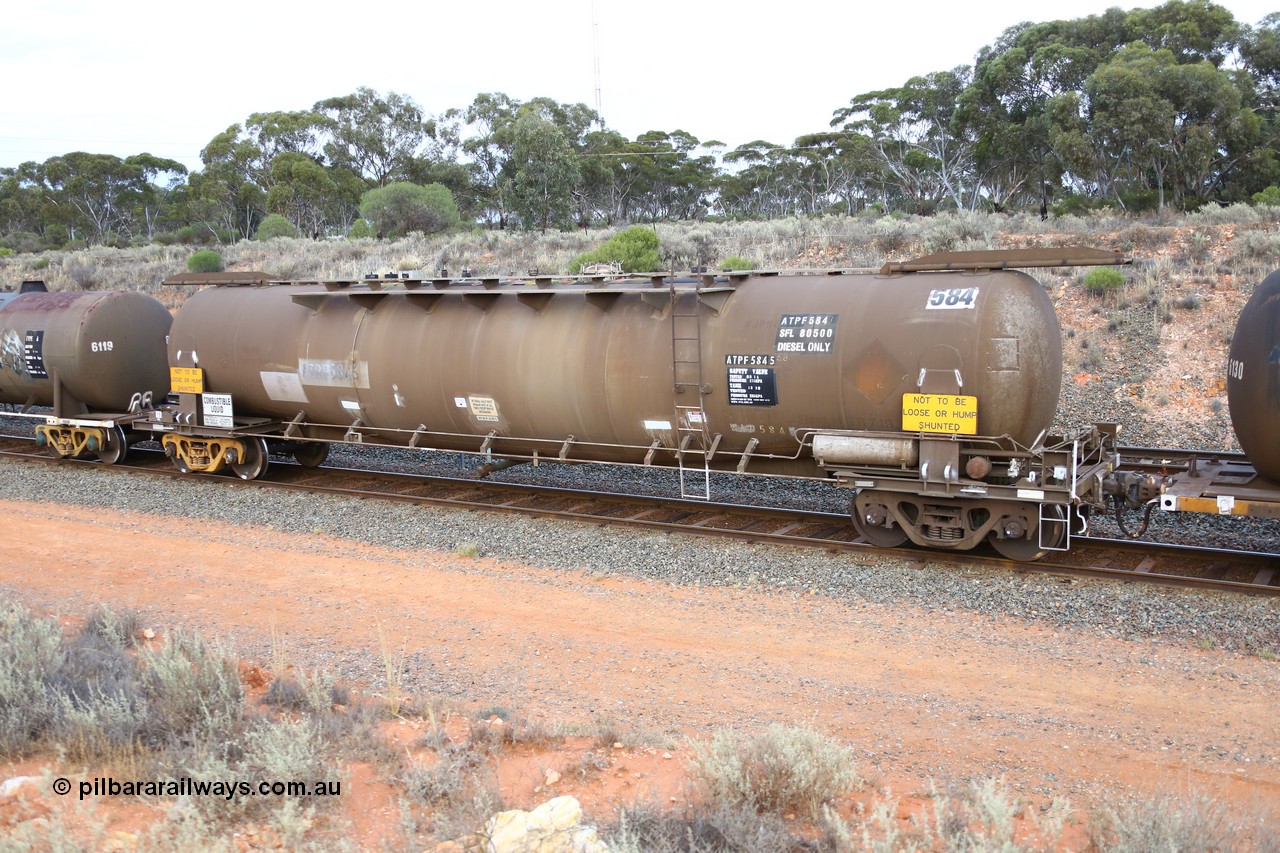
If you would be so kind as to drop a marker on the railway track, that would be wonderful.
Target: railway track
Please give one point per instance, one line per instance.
(1126, 560)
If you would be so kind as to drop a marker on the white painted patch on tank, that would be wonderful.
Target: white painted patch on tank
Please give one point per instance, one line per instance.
(283, 387)
(331, 373)
(657, 424)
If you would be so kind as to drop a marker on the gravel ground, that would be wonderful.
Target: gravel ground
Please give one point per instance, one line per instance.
(1132, 611)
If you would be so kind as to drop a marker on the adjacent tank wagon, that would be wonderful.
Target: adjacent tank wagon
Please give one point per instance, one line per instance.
(1253, 378)
(83, 354)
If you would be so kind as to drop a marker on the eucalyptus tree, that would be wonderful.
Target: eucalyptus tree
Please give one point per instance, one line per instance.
(98, 196)
(543, 171)
(916, 132)
(672, 175)
(238, 173)
(486, 130)
(302, 191)
(1176, 126)
(759, 181)
(377, 137)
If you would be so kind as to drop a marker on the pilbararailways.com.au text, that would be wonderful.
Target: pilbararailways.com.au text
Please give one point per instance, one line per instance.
(188, 787)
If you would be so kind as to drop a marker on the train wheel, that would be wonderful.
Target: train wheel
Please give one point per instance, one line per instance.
(871, 518)
(1053, 532)
(254, 463)
(311, 454)
(117, 447)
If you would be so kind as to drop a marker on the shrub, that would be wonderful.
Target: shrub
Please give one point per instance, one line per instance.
(647, 829)
(736, 262)
(361, 228)
(785, 769)
(30, 650)
(1172, 823)
(1103, 279)
(83, 273)
(634, 250)
(205, 261)
(275, 225)
(401, 207)
(21, 241)
(982, 817)
(1269, 197)
(195, 235)
(193, 691)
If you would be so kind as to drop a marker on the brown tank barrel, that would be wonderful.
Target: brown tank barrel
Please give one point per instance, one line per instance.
(1253, 378)
(103, 347)
(773, 354)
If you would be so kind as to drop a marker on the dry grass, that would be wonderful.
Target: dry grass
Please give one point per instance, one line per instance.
(824, 242)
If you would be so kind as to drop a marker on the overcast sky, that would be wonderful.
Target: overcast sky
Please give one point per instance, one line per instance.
(165, 78)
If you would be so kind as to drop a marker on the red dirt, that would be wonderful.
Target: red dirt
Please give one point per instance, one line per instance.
(920, 695)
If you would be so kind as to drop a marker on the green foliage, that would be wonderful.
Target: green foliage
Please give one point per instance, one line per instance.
(402, 207)
(1269, 197)
(360, 229)
(784, 769)
(634, 250)
(737, 262)
(275, 225)
(18, 242)
(205, 261)
(5, 251)
(545, 174)
(198, 235)
(1103, 279)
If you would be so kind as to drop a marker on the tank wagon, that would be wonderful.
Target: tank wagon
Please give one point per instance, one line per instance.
(927, 388)
(98, 359)
(1253, 378)
(1226, 486)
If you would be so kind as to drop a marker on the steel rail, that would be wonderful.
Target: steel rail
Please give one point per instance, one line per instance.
(804, 528)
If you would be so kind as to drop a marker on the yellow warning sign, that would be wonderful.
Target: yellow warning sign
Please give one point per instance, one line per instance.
(186, 380)
(940, 413)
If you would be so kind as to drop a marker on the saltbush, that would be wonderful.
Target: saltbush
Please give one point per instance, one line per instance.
(205, 261)
(784, 769)
(737, 262)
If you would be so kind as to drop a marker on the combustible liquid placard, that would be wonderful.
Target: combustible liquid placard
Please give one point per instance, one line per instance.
(940, 413)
